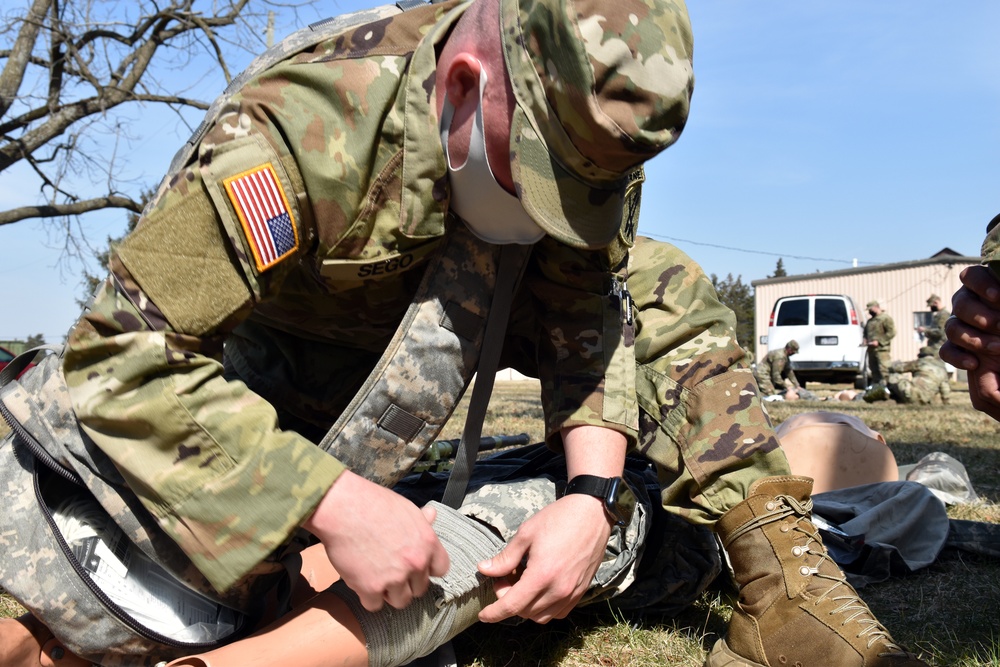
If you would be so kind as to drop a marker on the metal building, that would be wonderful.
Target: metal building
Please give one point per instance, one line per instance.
(901, 288)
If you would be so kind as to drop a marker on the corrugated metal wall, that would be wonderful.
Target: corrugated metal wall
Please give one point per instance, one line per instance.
(902, 289)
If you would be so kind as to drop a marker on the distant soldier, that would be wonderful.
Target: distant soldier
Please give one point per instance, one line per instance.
(879, 332)
(934, 334)
(775, 370)
(920, 380)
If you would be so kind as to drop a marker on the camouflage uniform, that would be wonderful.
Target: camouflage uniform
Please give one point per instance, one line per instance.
(883, 329)
(700, 416)
(352, 160)
(928, 378)
(773, 371)
(991, 245)
(935, 334)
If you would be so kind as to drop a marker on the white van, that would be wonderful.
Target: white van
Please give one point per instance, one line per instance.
(829, 334)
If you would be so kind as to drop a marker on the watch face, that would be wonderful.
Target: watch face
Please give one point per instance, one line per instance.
(621, 502)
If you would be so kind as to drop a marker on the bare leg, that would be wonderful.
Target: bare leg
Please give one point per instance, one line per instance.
(324, 633)
(25, 642)
(320, 630)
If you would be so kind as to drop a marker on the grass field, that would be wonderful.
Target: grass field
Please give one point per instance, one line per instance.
(950, 611)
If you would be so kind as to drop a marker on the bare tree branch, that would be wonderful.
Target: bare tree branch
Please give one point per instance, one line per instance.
(74, 75)
(74, 208)
(17, 62)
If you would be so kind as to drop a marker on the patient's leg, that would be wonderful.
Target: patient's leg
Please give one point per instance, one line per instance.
(322, 633)
(333, 628)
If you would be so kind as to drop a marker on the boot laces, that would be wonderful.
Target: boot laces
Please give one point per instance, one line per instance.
(851, 606)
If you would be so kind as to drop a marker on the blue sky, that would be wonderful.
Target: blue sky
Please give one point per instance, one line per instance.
(821, 132)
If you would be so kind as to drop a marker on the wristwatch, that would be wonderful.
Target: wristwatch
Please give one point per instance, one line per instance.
(619, 501)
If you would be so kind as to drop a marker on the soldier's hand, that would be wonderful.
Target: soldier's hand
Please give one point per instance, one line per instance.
(549, 563)
(975, 324)
(382, 545)
(974, 337)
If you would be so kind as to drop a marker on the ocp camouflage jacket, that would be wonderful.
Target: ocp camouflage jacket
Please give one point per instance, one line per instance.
(290, 244)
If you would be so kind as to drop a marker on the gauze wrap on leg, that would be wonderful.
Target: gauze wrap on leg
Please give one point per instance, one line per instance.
(451, 604)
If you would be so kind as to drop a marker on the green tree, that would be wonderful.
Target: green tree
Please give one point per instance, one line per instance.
(779, 270)
(738, 297)
(34, 341)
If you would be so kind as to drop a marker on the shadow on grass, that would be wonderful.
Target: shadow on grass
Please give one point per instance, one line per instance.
(569, 641)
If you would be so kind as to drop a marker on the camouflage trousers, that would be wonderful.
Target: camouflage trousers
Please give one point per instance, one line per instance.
(765, 385)
(920, 390)
(879, 359)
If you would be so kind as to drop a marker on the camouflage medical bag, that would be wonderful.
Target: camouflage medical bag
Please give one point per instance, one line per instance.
(82, 554)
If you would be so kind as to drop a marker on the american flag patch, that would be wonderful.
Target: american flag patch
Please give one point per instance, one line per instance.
(264, 213)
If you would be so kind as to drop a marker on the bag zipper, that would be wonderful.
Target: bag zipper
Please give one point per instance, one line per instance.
(119, 613)
(36, 450)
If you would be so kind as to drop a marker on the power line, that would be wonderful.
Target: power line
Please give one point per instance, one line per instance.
(753, 252)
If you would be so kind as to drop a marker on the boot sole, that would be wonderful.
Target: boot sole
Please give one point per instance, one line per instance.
(721, 656)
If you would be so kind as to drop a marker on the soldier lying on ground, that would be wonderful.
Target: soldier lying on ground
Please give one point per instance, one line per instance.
(920, 380)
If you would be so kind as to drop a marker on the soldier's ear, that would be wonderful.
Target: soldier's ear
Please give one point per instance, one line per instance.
(462, 79)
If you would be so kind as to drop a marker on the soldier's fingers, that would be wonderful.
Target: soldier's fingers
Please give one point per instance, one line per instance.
(983, 282)
(971, 308)
(400, 595)
(984, 394)
(439, 559)
(958, 357)
(972, 338)
(371, 601)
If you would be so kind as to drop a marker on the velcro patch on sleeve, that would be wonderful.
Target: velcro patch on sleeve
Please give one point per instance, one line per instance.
(264, 212)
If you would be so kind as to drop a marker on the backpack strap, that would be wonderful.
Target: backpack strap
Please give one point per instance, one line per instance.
(23, 360)
(425, 369)
(508, 276)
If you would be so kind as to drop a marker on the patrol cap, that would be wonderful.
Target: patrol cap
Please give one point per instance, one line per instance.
(993, 222)
(792, 345)
(932, 298)
(873, 302)
(601, 86)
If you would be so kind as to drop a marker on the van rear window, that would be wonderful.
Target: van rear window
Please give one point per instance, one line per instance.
(793, 313)
(831, 311)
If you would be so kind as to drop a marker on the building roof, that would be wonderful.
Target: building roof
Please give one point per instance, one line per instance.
(944, 256)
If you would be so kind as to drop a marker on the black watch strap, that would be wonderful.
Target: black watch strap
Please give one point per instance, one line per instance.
(590, 485)
(618, 499)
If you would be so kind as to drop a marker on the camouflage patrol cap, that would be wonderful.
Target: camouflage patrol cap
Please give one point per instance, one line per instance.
(792, 346)
(873, 302)
(932, 298)
(601, 86)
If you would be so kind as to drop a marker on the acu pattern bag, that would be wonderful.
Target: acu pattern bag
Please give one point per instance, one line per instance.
(82, 554)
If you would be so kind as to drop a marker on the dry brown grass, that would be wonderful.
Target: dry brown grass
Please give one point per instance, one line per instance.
(949, 611)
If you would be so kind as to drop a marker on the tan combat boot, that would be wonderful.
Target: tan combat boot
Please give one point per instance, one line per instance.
(795, 608)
